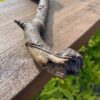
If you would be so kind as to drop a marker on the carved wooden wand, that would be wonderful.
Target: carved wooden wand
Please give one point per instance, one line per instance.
(59, 64)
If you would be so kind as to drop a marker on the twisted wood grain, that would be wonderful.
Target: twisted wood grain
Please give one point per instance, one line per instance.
(58, 63)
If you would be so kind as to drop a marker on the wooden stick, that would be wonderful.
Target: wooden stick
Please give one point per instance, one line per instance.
(59, 64)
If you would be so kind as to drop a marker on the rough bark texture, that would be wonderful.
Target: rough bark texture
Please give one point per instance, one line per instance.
(57, 63)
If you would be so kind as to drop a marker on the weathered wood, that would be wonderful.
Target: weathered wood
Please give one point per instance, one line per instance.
(58, 64)
(69, 22)
(17, 68)
(80, 17)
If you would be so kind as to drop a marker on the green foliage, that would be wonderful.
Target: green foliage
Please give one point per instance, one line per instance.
(2, 0)
(85, 85)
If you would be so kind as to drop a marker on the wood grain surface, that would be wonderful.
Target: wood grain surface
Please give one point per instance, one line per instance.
(70, 24)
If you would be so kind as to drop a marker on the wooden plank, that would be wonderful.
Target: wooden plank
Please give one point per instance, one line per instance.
(70, 24)
(76, 20)
(17, 68)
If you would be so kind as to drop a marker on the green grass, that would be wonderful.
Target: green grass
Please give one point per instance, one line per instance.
(85, 85)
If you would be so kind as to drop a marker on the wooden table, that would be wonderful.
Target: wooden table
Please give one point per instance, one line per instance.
(70, 24)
